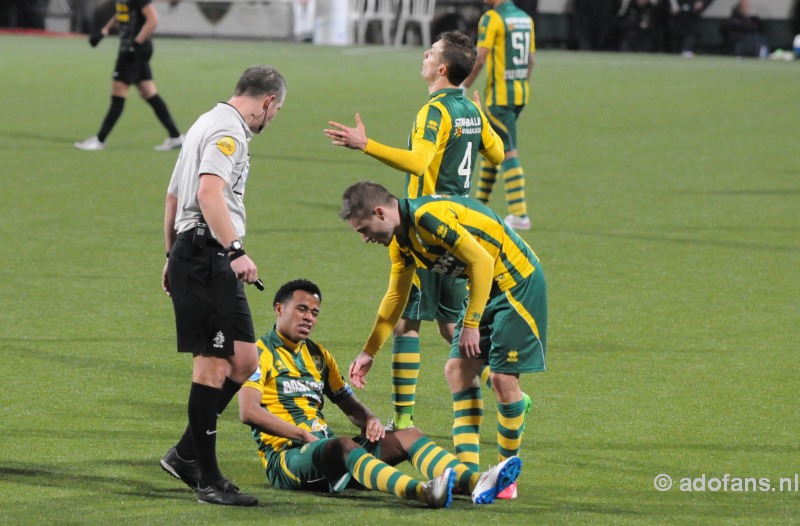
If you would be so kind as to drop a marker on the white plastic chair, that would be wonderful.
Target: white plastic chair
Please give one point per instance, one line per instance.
(417, 11)
(375, 10)
(355, 16)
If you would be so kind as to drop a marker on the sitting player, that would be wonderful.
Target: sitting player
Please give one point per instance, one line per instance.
(282, 403)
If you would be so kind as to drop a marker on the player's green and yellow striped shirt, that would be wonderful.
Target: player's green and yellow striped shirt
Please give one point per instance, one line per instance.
(507, 32)
(293, 379)
(435, 227)
(449, 132)
(456, 236)
(459, 129)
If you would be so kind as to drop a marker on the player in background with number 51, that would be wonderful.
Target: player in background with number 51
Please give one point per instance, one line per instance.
(448, 133)
(506, 46)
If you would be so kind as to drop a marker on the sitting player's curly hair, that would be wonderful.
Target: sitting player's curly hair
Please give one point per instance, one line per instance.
(286, 291)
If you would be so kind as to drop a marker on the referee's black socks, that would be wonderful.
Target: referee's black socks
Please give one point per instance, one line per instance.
(185, 446)
(203, 405)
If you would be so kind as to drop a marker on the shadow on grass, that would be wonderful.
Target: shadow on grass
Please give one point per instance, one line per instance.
(52, 138)
(39, 476)
(283, 503)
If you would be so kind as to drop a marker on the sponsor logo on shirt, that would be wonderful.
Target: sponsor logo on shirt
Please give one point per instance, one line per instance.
(300, 386)
(433, 125)
(516, 74)
(448, 265)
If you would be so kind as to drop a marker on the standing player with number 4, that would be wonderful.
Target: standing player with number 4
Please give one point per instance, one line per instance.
(448, 133)
(506, 46)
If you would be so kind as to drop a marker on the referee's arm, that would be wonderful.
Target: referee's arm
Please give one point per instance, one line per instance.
(215, 211)
(170, 209)
(211, 199)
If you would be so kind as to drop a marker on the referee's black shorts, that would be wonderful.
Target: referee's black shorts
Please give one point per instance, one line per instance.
(211, 309)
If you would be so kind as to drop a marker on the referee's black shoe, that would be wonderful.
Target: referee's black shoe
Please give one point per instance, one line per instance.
(224, 492)
(187, 471)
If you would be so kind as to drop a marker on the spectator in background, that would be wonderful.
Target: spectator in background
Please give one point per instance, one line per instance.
(795, 20)
(531, 8)
(28, 14)
(685, 22)
(742, 34)
(594, 23)
(640, 27)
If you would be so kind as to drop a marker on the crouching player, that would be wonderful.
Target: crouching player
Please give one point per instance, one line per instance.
(282, 403)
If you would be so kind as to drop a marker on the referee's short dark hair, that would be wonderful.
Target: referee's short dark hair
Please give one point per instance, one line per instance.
(286, 290)
(260, 80)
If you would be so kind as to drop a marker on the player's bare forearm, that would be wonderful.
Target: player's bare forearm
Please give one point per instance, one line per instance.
(251, 413)
(370, 425)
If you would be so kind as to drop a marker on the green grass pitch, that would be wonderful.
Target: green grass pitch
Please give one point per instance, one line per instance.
(665, 198)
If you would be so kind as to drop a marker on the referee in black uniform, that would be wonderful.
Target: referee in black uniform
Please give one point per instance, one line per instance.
(204, 224)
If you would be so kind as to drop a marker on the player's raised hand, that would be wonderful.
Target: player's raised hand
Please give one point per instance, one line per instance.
(476, 97)
(353, 138)
(359, 369)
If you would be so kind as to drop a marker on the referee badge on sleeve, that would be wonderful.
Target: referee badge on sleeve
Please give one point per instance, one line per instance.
(227, 146)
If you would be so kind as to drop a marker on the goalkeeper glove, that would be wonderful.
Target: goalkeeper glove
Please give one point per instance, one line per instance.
(95, 39)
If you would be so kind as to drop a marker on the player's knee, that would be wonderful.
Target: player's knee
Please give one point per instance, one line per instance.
(453, 371)
(506, 387)
(411, 435)
(407, 328)
(446, 330)
(242, 369)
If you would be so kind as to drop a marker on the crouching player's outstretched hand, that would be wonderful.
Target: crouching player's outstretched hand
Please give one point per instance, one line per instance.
(359, 369)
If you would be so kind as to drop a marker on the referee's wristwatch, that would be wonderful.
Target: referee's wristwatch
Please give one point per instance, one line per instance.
(235, 249)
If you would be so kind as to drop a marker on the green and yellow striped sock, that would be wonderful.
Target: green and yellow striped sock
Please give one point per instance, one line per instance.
(431, 460)
(467, 417)
(510, 418)
(486, 375)
(405, 371)
(514, 180)
(486, 178)
(377, 475)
